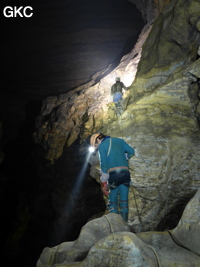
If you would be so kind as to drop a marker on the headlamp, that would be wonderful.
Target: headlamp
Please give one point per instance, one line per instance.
(91, 149)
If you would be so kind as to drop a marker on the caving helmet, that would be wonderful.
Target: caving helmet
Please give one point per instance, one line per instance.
(117, 79)
(93, 139)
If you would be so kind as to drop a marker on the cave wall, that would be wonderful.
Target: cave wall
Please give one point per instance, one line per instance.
(161, 119)
(150, 9)
(59, 48)
(51, 53)
(108, 241)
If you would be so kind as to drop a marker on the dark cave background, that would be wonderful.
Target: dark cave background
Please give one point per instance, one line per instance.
(58, 49)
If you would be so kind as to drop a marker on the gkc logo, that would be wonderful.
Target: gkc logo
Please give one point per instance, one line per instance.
(10, 12)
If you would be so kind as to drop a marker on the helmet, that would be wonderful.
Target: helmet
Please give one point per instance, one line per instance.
(93, 139)
(117, 79)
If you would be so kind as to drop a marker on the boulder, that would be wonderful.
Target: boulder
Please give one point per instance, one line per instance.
(108, 242)
(91, 233)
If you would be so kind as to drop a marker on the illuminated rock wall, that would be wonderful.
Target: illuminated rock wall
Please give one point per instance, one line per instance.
(161, 119)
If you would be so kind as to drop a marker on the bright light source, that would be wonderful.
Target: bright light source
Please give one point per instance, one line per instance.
(91, 149)
(128, 79)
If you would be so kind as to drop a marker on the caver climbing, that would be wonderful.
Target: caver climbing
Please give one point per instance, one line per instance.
(117, 95)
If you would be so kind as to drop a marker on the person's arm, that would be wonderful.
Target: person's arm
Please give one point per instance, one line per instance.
(104, 175)
(124, 87)
(112, 90)
(129, 150)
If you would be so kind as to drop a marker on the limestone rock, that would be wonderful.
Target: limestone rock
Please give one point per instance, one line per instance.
(90, 234)
(150, 9)
(73, 120)
(162, 122)
(161, 119)
(120, 249)
(180, 247)
(188, 230)
(94, 114)
(65, 45)
(167, 47)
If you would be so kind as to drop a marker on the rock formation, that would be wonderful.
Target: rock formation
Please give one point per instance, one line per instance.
(61, 47)
(56, 193)
(161, 119)
(107, 241)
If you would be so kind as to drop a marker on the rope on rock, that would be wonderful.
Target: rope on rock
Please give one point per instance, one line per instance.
(180, 244)
(111, 228)
(156, 254)
(139, 217)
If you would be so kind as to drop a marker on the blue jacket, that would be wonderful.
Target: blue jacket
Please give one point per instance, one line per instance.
(116, 157)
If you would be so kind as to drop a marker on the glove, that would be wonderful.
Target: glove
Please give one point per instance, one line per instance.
(104, 176)
(105, 188)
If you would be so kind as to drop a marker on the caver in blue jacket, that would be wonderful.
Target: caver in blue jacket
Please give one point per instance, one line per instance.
(114, 154)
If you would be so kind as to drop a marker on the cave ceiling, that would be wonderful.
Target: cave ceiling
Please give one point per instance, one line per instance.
(59, 48)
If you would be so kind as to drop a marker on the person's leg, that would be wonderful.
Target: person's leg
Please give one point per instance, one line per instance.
(120, 106)
(119, 103)
(123, 201)
(117, 109)
(113, 201)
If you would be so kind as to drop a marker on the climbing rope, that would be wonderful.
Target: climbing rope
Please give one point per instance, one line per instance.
(177, 242)
(156, 254)
(139, 217)
(110, 224)
(180, 244)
